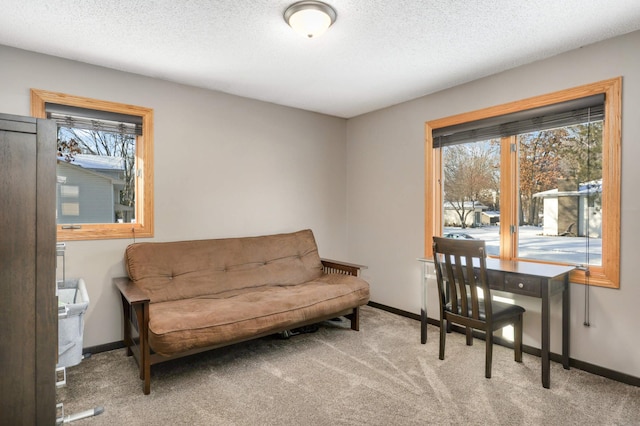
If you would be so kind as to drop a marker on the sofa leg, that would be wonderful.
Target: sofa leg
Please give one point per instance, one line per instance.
(142, 315)
(147, 385)
(355, 319)
(145, 368)
(145, 363)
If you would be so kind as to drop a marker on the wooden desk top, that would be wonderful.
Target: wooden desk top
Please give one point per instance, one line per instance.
(542, 270)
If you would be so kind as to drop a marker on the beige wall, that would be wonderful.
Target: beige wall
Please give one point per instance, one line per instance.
(385, 176)
(224, 166)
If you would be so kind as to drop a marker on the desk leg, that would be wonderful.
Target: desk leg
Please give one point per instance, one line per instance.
(565, 323)
(423, 326)
(423, 311)
(546, 325)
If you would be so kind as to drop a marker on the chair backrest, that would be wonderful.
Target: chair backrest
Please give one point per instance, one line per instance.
(460, 270)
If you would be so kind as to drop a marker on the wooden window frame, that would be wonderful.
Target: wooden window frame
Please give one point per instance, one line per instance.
(606, 275)
(143, 227)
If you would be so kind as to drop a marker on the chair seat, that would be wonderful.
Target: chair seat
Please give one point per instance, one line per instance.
(500, 310)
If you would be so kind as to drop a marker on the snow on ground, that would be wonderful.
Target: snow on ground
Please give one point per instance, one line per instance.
(533, 245)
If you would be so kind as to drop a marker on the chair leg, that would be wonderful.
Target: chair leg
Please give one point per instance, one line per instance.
(469, 333)
(517, 339)
(489, 353)
(443, 336)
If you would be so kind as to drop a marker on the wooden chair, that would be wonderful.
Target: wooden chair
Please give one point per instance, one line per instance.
(461, 270)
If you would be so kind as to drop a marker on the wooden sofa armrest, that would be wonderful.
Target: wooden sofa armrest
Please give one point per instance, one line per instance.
(339, 267)
(135, 311)
(130, 292)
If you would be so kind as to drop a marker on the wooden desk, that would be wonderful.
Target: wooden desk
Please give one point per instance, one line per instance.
(529, 279)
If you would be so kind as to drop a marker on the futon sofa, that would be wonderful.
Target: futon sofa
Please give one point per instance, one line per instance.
(185, 297)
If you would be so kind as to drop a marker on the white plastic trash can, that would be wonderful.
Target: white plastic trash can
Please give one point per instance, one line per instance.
(73, 301)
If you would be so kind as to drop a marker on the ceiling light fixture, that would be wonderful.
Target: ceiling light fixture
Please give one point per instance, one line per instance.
(310, 18)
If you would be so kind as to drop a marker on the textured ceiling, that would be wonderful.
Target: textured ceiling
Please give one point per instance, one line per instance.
(378, 53)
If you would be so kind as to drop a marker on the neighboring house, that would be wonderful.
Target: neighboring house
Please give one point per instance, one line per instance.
(452, 218)
(88, 190)
(570, 212)
(490, 217)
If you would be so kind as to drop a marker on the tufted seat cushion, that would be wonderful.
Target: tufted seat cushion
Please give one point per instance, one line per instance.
(181, 325)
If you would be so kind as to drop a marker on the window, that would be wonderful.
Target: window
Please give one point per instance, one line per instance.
(105, 166)
(538, 180)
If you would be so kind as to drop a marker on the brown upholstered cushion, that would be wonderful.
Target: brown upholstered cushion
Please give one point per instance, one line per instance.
(209, 292)
(186, 269)
(181, 325)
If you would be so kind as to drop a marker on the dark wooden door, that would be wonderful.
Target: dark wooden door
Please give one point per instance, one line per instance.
(28, 318)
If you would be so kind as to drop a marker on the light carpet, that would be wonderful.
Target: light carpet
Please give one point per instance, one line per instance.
(380, 375)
